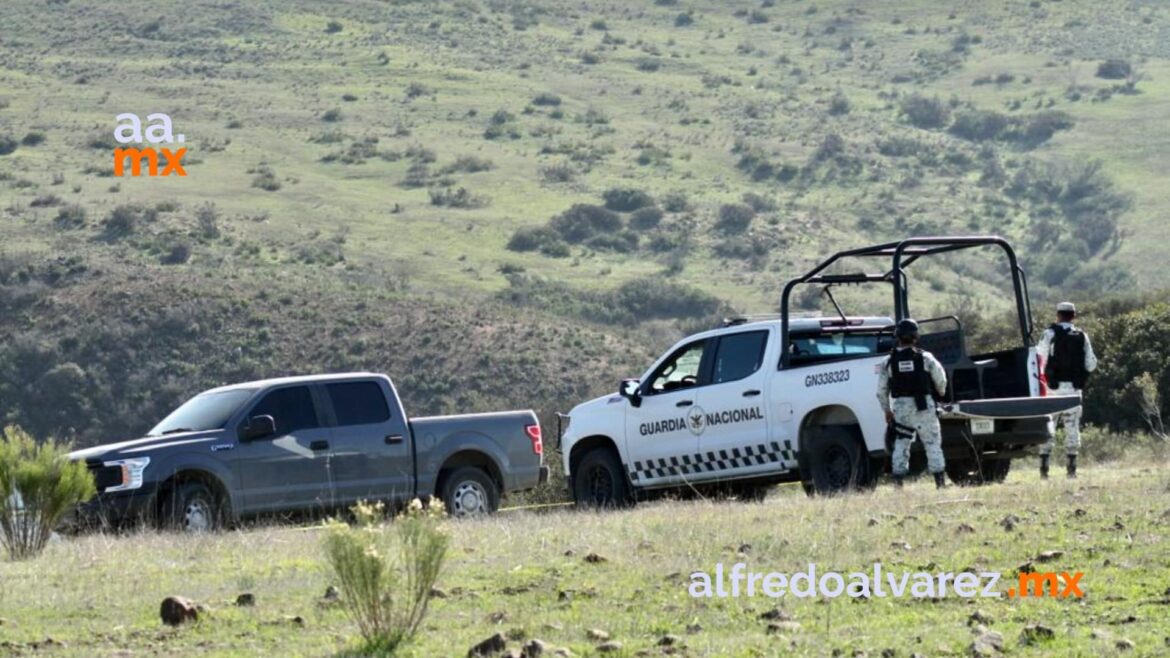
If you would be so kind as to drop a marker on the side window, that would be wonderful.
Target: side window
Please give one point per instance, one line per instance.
(358, 403)
(681, 370)
(739, 355)
(291, 408)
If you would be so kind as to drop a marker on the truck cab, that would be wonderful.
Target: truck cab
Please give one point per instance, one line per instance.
(781, 398)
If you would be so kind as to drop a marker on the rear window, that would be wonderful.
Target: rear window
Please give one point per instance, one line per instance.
(358, 403)
(835, 344)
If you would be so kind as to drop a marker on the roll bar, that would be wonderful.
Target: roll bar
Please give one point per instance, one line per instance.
(902, 254)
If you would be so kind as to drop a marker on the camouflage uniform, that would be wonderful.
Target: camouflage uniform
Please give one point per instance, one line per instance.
(911, 421)
(1071, 419)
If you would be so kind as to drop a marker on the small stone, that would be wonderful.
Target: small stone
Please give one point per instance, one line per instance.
(437, 593)
(668, 640)
(775, 614)
(965, 529)
(497, 617)
(889, 653)
(872, 522)
(570, 553)
(979, 617)
(563, 652)
(296, 620)
(534, 648)
(597, 635)
(1035, 634)
(1124, 644)
(989, 643)
(609, 647)
(246, 600)
(1079, 512)
(176, 610)
(564, 596)
(513, 653)
(493, 645)
(331, 594)
(1049, 556)
(1026, 568)
(860, 653)
(594, 558)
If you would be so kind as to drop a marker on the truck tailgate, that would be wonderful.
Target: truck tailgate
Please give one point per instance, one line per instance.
(1029, 407)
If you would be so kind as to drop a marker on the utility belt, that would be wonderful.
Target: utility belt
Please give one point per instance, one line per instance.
(923, 401)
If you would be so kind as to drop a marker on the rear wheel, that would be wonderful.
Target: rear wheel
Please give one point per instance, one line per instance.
(835, 462)
(469, 492)
(600, 481)
(192, 507)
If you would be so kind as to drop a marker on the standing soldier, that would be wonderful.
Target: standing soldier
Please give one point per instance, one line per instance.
(907, 384)
(1068, 360)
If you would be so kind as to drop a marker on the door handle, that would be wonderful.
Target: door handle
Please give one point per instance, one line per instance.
(684, 403)
(751, 394)
(391, 439)
(319, 445)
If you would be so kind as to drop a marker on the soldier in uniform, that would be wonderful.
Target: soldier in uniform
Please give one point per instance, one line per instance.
(907, 384)
(1068, 360)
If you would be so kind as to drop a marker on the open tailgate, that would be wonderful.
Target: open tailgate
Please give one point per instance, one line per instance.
(1029, 407)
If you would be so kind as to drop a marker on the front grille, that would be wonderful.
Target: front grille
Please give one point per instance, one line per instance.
(105, 476)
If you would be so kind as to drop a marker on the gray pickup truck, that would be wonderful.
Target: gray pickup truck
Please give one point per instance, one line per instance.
(311, 444)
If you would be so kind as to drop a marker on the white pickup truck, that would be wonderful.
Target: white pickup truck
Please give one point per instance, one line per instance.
(756, 402)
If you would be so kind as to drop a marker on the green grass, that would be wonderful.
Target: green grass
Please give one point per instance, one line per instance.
(99, 594)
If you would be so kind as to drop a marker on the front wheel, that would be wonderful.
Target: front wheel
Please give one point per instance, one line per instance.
(835, 462)
(193, 508)
(600, 481)
(469, 492)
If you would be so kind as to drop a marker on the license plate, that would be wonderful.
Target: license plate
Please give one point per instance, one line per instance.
(982, 426)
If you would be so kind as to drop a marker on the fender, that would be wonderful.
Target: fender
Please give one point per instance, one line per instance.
(439, 450)
(189, 461)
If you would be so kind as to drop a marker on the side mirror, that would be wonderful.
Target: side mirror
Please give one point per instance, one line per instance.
(258, 427)
(630, 389)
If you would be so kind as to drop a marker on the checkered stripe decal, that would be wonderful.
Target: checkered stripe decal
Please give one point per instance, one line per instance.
(715, 460)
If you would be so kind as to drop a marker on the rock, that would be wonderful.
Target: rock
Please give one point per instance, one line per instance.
(1079, 512)
(594, 558)
(331, 594)
(437, 593)
(570, 553)
(176, 610)
(860, 653)
(609, 647)
(1124, 644)
(1049, 556)
(889, 653)
(901, 544)
(246, 600)
(1098, 634)
(296, 620)
(513, 653)
(986, 644)
(775, 614)
(965, 529)
(497, 617)
(783, 627)
(1026, 568)
(1035, 634)
(489, 647)
(872, 522)
(564, 596)
(534, 648)
(563, 653)
(694, 628)
(978, 617)
(597, 635)
(668, 640)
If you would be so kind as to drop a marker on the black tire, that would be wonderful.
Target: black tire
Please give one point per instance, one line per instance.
(968, 473)
(599, 481)
(751, 493)
(470, 492)
(835, 462)
(192, 507)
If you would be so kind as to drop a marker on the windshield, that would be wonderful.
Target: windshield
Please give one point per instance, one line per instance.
(207, 411)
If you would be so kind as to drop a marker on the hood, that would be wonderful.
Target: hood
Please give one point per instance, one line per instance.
(147, 445)
(596, 405)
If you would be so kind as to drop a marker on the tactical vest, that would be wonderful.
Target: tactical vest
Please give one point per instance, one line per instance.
(908, 376)
(1067, 363)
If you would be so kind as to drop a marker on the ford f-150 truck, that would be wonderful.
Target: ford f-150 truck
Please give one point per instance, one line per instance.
(761, 401)
(308, 444)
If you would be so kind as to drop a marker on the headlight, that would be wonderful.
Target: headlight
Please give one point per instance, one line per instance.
(132, 470)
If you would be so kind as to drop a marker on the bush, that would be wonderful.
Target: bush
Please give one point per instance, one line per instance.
(839, 105)
(646, 218)
(331, 116)
(979, 125)
(560, 172)
(684, 19)
(459, 198)
(583, 221)
(924, 112)
(547, 99)
(469, 164)
(532, 238)
(623, 243)
(265, 179)
(123, 221)
(676, 202)
(33, 139)
(1114, 69)
(7, 144)
(333, 27)
(71, 216)
(39, 484)
(625, 199)
(386, 571)
(734, 218)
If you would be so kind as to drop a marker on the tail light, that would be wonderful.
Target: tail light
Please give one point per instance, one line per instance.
(533, 432)
(1041, 376)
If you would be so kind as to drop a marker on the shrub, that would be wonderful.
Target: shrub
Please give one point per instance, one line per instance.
(416, 174)
(979, 125)
(469, 164)
(125, 220)
(623, 243)
(333, 27)
(626, 199)
(179, 253)
(7, 144)
(71, 216)
(646, 218)
(734, 218)
(1114, 69)
(532, 238)
(648, 64)
(546, 99)
(675, 202)
(386, 571)
(33, 139)
(39, 484)
(924, 112)
(459, 198)
(560, 172)
(758, 202)
(265, 179)
(331, 116)
(46, 201)
(839, 104)
(684, 19)
(583, 221)
(416, 89)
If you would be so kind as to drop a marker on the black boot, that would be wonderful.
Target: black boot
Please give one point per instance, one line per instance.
(1043, 467)
(940, 480)
(898, 481)
(1072, 467)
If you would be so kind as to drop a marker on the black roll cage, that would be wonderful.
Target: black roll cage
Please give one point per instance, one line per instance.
(903, 254)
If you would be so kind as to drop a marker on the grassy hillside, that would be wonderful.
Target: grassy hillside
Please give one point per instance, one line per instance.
(525, 575)
(357, 165)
